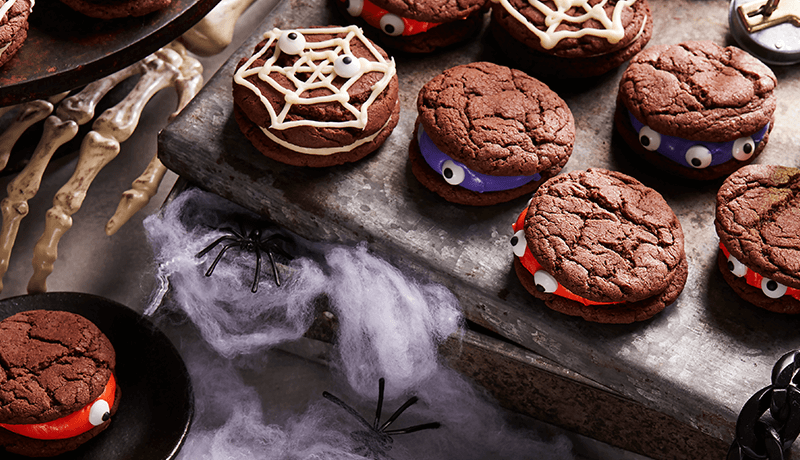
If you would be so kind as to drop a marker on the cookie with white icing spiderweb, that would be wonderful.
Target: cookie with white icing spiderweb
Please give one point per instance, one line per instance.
(316, 97)
(571, 38)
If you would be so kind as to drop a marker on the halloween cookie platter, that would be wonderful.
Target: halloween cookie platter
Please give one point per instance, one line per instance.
(693, 360)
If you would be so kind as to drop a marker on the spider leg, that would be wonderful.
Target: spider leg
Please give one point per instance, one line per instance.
(278, 249)
(254, 289)
(411, 429)
(399, 411)
(346, 407)
(219, 256)
(241, 233)
(213, 245)
(381, 386)
(274, 268)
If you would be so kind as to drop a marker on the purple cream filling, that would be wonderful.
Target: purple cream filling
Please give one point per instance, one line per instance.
(675, 148)
(473, 181)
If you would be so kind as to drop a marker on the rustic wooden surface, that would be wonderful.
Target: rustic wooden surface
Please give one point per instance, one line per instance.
(697, 362)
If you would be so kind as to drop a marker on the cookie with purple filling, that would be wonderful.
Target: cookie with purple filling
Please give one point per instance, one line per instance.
(487, 134)
(758, 224)
(696, 109)
(416, 26)
(600, 245)
(13, 27)
(570, 39)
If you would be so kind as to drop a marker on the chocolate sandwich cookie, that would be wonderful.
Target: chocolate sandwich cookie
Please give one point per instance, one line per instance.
(601, 245)
(572, 39)
(316, 97)
(112, 9)
(487, 134)
(758, 224)
(13, 27)
(416, 26)
(696, 109)
(57, 385)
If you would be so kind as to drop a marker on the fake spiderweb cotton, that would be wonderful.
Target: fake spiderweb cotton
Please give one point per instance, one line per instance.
(390, 325)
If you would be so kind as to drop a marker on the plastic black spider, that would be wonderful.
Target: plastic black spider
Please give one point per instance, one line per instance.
(377, 440)
(252, 241)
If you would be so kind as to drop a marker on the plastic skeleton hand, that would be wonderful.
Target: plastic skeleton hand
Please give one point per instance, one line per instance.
(167, 67)
(215, 31)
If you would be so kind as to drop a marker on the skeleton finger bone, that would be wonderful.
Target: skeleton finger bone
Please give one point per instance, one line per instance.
(146, 185)
(81, 106)
(215, 31)
(29, 114)
(100, 146)
(24, 187)
(96, 151)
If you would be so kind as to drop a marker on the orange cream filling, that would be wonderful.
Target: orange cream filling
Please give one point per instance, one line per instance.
(373, 15)
(759, 281)
(74, 424)
(533, 266)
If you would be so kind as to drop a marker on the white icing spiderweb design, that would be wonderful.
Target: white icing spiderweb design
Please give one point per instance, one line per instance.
(314, 69)
(612, 30)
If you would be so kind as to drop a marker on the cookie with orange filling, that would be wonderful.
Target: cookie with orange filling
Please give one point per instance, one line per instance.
(416, 26)
(758, 223)
(57, 385)
(601, 245)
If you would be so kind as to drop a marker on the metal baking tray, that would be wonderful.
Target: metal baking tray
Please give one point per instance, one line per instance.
(696, 363)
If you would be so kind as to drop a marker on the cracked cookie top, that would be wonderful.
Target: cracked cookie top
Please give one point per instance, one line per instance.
(496, 120)
(52, 363)
(604, 235)
(432, 10)
(758, 220)
(699, 91)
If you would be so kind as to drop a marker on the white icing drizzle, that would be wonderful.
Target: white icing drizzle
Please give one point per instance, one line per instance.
(4, 9)
(3, 12)
(316, 62)
(612, 30)
(322, 151)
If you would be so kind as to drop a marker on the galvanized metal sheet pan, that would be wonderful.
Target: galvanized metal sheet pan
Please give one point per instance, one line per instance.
(698, 361)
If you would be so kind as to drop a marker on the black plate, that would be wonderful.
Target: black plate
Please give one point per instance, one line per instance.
(157, 402)
(66, 50)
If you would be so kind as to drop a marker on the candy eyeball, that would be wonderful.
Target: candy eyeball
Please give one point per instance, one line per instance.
(698, 157)
(743, 148)
(772, 288)
(392, 24)
(649, 139)
(736, 268)
(519, 243)
(354, 7)
(452, 173)
(291, 42)
(545, 282)
(347, 66)
(99, 412)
